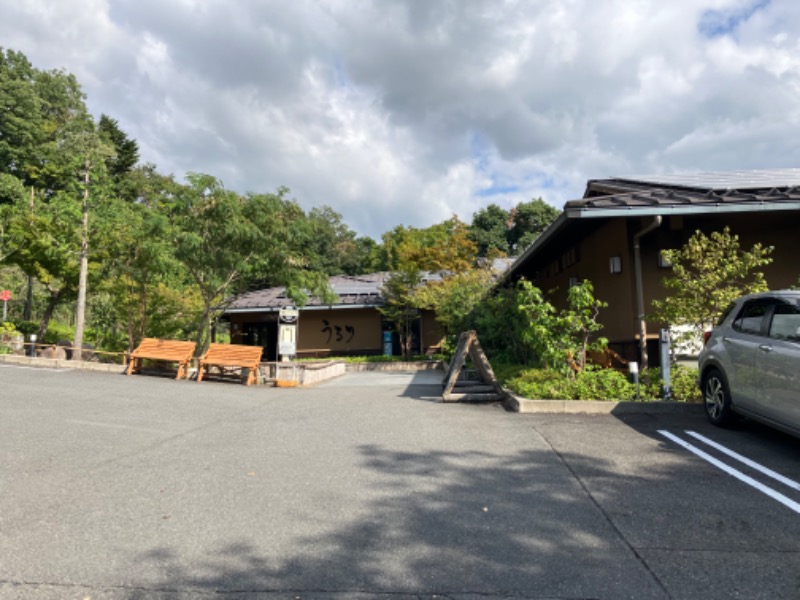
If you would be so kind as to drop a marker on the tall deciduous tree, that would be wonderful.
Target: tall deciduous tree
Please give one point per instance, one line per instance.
(444, 248)
(225, 240)
(90, 155)
(38, 147)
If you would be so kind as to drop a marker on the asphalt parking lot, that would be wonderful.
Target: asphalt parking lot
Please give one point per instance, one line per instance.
(368, 487)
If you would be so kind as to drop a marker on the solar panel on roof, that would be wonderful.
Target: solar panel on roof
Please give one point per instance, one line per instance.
(347, 290)
(723, 180)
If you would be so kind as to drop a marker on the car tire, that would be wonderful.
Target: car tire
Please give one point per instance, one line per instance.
(717, 398)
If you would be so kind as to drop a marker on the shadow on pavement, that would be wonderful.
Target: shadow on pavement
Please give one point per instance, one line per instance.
(443, 523)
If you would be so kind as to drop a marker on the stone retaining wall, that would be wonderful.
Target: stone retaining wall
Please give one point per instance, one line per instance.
(303, 374)
(396, 367)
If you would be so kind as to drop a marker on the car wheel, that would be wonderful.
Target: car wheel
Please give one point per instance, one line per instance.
(717, 398)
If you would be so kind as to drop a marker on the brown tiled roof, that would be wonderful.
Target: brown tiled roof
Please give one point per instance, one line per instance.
(356, 290)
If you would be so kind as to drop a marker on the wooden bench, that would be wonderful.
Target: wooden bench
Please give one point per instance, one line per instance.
(164, 350)
(231, 356)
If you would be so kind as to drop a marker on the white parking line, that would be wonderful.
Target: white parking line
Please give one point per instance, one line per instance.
(750, 463)
(788, 502)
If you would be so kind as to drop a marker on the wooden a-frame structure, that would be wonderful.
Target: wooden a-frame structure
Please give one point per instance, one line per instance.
(485, 390)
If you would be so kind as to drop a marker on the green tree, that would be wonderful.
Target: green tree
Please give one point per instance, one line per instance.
(399, 306)
(489, 231)
(21, 127)
(91, 153)
(43, 113)
(444, 248)
(708, 273)
(454, 298)
(528, 221)
(580, 322)
(146, 289)
(333, 248)
(226, 241)
(519, 325)
(496, 231)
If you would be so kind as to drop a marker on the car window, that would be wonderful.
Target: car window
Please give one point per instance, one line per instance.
(785, 323)
(725, 313)
(750, 318)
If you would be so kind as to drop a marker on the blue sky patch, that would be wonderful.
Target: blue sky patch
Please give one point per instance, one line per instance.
(718, 23)
(498, 189)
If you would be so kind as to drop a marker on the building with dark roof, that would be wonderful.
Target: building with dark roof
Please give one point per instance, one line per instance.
(614, 236)
(352, 325)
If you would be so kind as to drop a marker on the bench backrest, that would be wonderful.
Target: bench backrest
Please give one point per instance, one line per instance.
(233, 352)
(165, 347)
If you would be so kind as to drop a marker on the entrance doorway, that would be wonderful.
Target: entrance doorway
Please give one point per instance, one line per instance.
(264, 335)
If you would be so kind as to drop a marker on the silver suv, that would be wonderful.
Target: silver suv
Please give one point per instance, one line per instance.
(750, 364)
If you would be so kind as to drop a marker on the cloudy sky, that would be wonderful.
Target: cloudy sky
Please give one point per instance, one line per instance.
(410, 111)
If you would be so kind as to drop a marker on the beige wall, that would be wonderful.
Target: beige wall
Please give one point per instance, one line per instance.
(341, 330)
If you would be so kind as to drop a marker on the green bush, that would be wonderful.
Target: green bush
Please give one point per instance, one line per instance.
(546, 384)
(57, 331)
(27, 328)
(684, 384)
(540, 384)
(683, 381)
(602, 384)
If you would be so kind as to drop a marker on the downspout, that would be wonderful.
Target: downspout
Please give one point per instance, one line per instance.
(637, 267)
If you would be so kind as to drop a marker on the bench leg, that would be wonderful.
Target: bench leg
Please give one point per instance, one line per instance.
(200, 369)
(132, 366)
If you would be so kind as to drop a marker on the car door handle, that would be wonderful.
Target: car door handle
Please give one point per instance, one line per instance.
(765, 348)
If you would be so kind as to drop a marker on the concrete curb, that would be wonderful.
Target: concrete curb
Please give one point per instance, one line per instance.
(59, 363)
(518, 404)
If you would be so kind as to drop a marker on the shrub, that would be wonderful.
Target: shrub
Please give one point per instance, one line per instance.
(57, 331)
(602, 384)
(7, 332)
(546, 384)
(540, 383)
(27, 328)
(683, 382)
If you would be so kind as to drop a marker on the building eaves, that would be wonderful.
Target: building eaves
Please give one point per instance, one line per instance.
(658, 201)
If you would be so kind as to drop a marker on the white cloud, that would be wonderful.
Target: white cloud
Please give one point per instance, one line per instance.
(407, 112)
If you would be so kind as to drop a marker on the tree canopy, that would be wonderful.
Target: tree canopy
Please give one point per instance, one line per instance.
(708, 273)
(88, 233)
(496, 231)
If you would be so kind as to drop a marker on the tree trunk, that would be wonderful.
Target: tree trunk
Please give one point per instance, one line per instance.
(84, 269)
(53, 301)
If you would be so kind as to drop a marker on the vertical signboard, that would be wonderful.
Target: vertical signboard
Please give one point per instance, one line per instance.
(287, 332)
